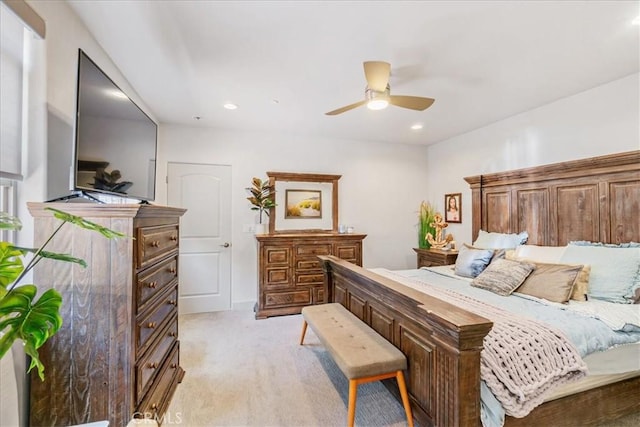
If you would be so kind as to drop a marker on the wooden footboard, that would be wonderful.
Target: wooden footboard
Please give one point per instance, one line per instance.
(442, 342)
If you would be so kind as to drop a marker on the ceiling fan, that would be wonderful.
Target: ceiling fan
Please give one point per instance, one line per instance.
(377, 93)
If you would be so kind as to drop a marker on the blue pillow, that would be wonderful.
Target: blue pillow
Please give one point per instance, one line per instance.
(472, 261)
(615, 270)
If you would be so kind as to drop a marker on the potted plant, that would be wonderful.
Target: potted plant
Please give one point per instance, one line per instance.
(426, 217)
(22, 317)
(261, 200)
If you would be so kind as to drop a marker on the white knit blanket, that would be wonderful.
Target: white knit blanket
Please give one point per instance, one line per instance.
(522, 360)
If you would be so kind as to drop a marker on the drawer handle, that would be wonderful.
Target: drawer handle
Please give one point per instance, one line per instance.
(154, 406)
(155, 244)
(174, 365)
(173, 334)
(173, 238)
(152, 285)
(151, 325)
(153, 365)
(173, 270)
(172, 302)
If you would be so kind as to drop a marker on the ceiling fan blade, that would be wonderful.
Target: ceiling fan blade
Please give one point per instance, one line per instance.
(377, 74)
(411, 102)
(347, 108)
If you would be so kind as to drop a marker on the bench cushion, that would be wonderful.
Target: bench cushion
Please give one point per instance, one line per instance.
(358, 350)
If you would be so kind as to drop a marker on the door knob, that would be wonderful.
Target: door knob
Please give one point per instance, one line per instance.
(226, 245)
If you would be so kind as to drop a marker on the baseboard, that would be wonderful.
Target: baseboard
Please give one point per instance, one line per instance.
(243, 305)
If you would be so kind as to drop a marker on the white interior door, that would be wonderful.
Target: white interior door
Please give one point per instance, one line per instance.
(205, 234)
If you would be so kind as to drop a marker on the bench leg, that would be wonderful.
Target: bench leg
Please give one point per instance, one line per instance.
(304, 331)
(405, 397)
(353, 394)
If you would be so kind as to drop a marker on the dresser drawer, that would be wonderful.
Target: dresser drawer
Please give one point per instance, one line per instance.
(282, 299)
(277, 276)
(148, 326)
(276, 255)
(309, 278)
(154, 280)
(349, 253)
(155, 403)
(318, 295)
(308, 264)
(148, 366)
(313, 250)
(154, 242)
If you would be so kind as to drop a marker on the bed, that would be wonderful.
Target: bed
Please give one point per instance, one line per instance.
(595, 199)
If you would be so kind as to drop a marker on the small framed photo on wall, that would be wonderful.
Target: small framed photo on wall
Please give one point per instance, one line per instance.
(453, 207)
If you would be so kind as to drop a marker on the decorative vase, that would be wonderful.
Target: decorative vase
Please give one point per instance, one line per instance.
(261, 228)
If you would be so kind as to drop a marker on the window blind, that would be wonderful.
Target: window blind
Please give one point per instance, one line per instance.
(17, 21)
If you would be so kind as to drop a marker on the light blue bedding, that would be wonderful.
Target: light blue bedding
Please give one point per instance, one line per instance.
(588, 334)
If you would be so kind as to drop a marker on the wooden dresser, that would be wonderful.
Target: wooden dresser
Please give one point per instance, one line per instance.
(117, 353)
(435, 257)
(289, 272)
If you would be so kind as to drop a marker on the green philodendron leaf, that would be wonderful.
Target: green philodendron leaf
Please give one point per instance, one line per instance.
(8, 222)
(87, 225)
(10, 265)
(33, 323)
(54, 255)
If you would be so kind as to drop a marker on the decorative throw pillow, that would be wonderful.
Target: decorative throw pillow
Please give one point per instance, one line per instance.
(553, 282)
(500, 240)
(581, 285)
(503, 276)
(545, 254)
(615, 271)
(606, 245)
(472, 261)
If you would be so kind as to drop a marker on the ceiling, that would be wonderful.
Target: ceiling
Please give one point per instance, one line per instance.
(287, 63)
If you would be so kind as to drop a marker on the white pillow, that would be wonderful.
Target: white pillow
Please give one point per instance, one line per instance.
(500, 240)
(615, 271)
(542, 254)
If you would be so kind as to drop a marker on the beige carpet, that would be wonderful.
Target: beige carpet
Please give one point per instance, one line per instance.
(246, 372)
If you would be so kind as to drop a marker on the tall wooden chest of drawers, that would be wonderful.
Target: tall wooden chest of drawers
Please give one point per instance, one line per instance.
(117, 353)
(289, 271)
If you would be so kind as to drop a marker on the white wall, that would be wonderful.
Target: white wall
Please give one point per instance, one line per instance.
(602, 120)
(382, 184)
(65, 35)
(379, 192)
(52, 73)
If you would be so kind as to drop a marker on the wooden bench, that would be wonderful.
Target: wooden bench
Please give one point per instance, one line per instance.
(360, 352)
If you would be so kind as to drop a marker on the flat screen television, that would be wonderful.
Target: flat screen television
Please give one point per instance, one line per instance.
(115, 141)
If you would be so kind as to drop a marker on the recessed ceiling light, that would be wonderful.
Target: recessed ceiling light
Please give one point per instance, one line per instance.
(196, 117)
(417, 126)
(275, 101)
(230, 106)
(636, 21)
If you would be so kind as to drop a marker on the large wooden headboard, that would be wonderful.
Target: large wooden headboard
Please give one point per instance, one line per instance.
(595, 199)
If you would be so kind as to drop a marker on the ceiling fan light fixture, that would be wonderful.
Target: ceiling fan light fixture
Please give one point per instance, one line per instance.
(377, 104)
(377, 100)
(378, 92)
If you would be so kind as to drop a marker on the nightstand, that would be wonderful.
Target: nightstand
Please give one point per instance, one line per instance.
(435, 257)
